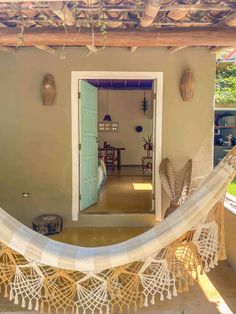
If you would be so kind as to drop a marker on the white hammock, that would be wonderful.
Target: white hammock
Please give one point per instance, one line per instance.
(37, 270)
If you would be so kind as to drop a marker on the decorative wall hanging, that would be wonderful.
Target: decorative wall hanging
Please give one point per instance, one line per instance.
(138, 128)
(144, 103)
(176, 185)
(48, 90)
(107, 117)
(187, 85)
(108, 126)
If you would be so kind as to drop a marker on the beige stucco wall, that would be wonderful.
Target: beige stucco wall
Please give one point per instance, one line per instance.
(35, 141)
(126, 103)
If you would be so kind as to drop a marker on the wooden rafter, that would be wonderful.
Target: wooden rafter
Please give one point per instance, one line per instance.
(177, 37)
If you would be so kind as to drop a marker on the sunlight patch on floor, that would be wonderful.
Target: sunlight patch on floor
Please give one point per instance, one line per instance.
(142, 186)
(212, 294)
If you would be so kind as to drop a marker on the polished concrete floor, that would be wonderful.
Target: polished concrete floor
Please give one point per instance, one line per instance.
(124, 194)
(128, 171)
(214, 293)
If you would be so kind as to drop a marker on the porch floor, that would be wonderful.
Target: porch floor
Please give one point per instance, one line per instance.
(120, 195)
(214, 293)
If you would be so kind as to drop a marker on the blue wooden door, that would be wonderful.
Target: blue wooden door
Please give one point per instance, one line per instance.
(88, 145)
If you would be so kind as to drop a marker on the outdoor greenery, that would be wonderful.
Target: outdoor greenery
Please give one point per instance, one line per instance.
(226, 83)
(232, 188)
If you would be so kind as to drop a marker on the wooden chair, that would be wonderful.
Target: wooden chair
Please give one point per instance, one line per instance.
(110, 157)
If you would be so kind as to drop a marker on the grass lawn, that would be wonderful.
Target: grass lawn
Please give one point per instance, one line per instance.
(232, 188)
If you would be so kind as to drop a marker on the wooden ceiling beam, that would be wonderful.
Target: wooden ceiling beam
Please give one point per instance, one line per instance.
(150, 11)
(178, 37)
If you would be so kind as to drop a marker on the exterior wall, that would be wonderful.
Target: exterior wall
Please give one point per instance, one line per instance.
(35, 141)
(125, 108)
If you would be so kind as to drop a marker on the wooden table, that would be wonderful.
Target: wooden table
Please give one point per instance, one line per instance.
(118, 154)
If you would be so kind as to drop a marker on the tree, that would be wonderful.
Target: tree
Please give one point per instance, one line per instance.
(226, 83)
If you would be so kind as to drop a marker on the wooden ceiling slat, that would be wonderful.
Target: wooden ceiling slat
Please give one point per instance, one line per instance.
(224, 36)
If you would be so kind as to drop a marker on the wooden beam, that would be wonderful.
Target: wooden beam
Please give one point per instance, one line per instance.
(63, 12)
(174, 49)
(46, 49)
(150, 11)
(214, 50)
(178, 37)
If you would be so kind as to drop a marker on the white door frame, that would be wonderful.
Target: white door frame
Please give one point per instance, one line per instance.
(157, 118)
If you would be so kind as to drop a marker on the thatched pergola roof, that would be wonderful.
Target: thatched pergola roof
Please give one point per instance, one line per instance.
(130, 23)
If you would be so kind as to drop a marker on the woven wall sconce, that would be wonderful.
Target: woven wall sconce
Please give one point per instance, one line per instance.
(48, 90)
(187, 85)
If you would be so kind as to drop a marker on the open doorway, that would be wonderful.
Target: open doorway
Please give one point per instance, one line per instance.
(125, 147)
(118, 141)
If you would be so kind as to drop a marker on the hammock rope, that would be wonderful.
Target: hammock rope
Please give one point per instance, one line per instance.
(44, 275)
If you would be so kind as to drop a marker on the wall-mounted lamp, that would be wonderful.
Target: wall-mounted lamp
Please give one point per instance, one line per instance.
(48, 90)
(187, 85)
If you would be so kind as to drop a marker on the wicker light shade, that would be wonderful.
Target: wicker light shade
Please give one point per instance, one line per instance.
(187, 85)
(48, 90)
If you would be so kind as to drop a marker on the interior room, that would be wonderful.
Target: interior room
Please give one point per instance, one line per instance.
(125, 141)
